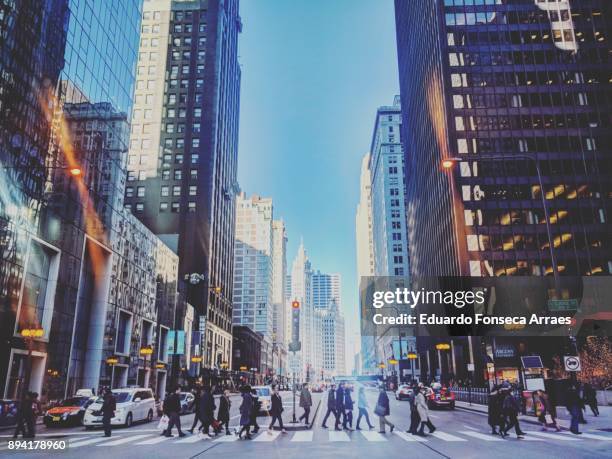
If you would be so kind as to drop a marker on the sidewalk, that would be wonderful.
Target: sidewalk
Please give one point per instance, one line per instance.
(601, 422)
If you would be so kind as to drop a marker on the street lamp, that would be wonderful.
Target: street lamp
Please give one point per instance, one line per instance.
(449, 163)
(29, 334)
(412, 356)
(441, 347)
(146, 352)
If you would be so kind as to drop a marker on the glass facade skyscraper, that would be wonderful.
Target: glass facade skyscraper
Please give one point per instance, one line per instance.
(505, 86)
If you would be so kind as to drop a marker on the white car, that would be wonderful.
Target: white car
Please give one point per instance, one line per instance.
(403, 392)
(133, 405)
(264, 394)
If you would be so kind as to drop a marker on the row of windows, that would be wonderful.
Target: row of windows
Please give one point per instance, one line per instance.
(186, 55)
(533, 99)
(174, 70)
(506, 217)
(177, 42)
(175, 207)
(523, 57)
(181, 112)
(505, 243)
(484, 79)
(533, 144)
(526, 122)
(165, 191)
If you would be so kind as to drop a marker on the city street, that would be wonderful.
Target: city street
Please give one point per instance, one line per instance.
(459, 434)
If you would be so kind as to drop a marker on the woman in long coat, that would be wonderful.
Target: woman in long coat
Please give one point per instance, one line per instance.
(423, 409)
(223, 416)
(207, 409)
(245, 413)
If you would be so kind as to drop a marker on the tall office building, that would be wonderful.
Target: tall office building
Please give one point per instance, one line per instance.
(325, 289)
(183, 150)
(279, 276)
(333, 355)
(253, 270)
(506, 86)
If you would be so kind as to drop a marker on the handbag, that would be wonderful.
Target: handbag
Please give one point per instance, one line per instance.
(379, 410)
(549, 419)
(163, 423)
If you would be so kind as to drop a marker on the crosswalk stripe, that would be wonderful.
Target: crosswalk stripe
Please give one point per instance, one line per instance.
(192, 439)
(123, 440)
(588, 435)
(227, 438)
(480, 436)
(154, 440)
(303, 435)
(267, 436)
(338, 436)
(408, 437)
(551, 435)
(89, 441)
(373, 436)
(446, 436)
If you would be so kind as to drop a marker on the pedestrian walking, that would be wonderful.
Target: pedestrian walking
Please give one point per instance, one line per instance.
(415, 419)
(276, 411)
(547, 415)
(494, 408)
(590, 398)
(24, 417)
(331, 405)
(207, 410)
(197, 394)
(362, 406)
(573, 405)
(580, 388)
(223, 416)
(383, 410)
(246, 408)
(423, 410)
(348, 409)
(172, 409)
(109, 405)
(255, 411)
(305, 403)
(340, 415)
(510, 410)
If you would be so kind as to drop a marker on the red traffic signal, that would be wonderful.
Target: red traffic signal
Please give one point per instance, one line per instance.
(295, 304)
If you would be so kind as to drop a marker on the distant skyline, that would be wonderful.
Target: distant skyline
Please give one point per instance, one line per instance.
(313, 74)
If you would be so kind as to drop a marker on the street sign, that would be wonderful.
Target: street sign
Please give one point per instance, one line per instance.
(470, 367)
(294, 363)
(295, 347)
(572, 363)
(563, 305)
(532, 361)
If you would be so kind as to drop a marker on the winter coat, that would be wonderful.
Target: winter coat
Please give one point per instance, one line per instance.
(277, 405)
(305, 398)
(383, 400)
(255, 409)
(207, 408)
(109, 405)
(348, 400)
(511, 406)
(331, 399)
(362, 402)
(245, 409)
(224, 409)
(340, 398)
(172, 404)
(422, 408)
(495, 409)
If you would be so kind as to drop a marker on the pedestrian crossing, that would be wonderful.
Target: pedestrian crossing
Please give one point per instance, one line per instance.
(150, 438)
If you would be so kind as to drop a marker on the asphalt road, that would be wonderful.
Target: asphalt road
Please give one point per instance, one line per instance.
(460, 434)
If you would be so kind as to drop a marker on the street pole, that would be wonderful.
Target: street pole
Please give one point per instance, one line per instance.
(294, 416)
(26, 384)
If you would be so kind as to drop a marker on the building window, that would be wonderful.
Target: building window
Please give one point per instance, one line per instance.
(196, 127)
(193, 174)
(193, 190)
(197, 112)
(176, 207)
(142, 175)
(178, 159)
(129, 191)
(139, 207)
(195, 142)
(176, 190)
(166, 175)
(165, 190)
(163, 206)
(178, 174)
(170, 128)
(195, 158)
(191, 206)
(124, 333)
(141, 192)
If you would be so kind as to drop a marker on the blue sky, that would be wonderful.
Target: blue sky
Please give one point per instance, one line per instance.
(313, 74)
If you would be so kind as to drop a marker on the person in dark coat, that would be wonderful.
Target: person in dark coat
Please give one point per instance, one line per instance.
(495, 417)
(24, 417)
(246, 408)
(255, 411)
(340, 415)
(276, 411)
(573, 405)
(305, 403)
(331, 405)
(207, 410)
(109, 405)
(383, 410)
(197, 394)
(415, 419)
(510, 409)
(348, 409)
(223, 416)
(590, 398)
(172, 409)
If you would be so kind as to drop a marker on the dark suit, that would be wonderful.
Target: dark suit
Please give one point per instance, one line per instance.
(276, 411)
(331, 406)
(340, 407)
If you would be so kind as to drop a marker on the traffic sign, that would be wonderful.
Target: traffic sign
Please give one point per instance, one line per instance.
(572, 363)
(470, 367)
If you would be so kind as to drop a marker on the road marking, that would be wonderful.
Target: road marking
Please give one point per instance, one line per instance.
(226, 439)
(480, 436)
(303, 435)
(123, 440)
(267, 436)
(551, 435)
(373, 436)
(446, 436)
(89, 441)
(154, 440)
(588, 435)
(338, 436)
(193, 439)
(408, 437)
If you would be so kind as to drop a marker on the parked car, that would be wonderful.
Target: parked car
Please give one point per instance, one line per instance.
(68, 412)
(403, 392)
(265, 397)
(440, 397)
(187, 402)
(133, 405)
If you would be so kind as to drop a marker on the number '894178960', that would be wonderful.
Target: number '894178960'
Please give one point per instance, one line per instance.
(22, 445)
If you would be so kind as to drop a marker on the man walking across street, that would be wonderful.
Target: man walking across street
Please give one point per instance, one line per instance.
(573, 405)
(207, 410)
(340, 416)
(255, 410)
(496, 417)
(305, 403)
(172, 409)
(196, 409)
(415, 420)
(383, 410)
(510, 410)
(223, 416)
(276, 411)
(331, 405)
(590, 398)
(362, 406)
(348, 408)
(245, 413)
(109, 405)
(423, 409)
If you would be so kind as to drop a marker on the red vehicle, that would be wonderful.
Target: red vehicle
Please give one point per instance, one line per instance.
(441, 397)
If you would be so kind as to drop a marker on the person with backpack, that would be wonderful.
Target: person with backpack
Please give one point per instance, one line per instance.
(511, 408)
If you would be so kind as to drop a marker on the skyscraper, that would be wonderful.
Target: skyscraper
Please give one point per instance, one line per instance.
(183, 150)
(279, 276)
(507, 87)
(333, 355)
(325, 289)
(253, 270)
